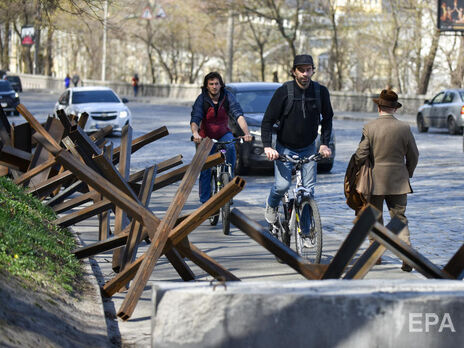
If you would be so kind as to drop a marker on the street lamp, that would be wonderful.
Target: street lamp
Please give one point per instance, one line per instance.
(105, 22)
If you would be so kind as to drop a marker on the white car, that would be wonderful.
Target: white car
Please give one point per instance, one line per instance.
(101, 103)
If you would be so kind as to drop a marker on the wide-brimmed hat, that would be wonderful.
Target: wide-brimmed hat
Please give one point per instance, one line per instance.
(388, 98)
(302, 59)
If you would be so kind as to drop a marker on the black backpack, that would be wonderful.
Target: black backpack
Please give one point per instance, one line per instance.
(291, 96)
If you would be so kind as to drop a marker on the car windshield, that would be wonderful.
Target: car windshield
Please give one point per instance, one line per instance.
(13, 78)
(461, 94)
(5, 86)
(254, 101)
(81, 97)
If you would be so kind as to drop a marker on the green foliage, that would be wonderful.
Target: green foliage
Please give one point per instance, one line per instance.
(31, 246)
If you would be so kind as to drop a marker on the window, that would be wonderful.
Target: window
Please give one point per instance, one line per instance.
(449, 97)
(438, 98)
(99, 96)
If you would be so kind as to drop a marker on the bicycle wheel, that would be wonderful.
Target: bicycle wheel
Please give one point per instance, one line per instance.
(225, 210)
(213, 219)
(309, 242)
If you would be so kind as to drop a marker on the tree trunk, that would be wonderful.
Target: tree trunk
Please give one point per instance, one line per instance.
(428, 64)
(49, 56)
(458, 74)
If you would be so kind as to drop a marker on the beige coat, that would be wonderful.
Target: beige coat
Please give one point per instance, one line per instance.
(391, 147)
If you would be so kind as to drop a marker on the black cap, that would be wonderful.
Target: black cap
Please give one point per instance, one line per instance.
(302, 59)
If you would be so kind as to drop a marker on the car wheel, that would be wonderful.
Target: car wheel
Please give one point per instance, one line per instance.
(421, 124)
(324, 167)
(452, 126)
(240, 168)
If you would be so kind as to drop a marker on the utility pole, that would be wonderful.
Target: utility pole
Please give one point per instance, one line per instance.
(36, 39)
(105, 23)
(230, 46)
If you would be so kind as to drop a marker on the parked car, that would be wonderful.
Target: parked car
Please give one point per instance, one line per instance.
(9, 98)
(254, 98)
(445, 110)
(15, 82)
(101, 103)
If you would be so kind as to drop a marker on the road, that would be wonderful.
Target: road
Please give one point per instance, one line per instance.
(434, 210)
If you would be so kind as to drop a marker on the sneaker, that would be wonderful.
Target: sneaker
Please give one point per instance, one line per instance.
(270, 214)
(307, 243)
(406, 268)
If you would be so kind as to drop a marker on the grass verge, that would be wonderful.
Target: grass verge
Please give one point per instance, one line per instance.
(31, 246)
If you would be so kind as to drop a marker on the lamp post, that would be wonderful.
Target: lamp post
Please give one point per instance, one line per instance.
(105, 22)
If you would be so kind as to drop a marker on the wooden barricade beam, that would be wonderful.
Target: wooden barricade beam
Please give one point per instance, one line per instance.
(14, 158)
(181, 267)
(368, 259)
(120, 219)
(177, 174)
(367, 218)
(262, 236)
(406, 253)
(177, 235)
(34, 171)
(135, 233)
(143, 140)
(84, 214)
(75, 202)
(156, 247)
(455, 266)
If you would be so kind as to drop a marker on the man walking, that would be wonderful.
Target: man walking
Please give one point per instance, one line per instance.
(390, 146)
(210, 118)
(298, 107)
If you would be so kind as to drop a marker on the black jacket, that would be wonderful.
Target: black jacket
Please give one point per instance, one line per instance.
(299, 128)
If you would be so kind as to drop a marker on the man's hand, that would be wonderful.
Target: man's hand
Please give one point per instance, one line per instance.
(325, 151)
(247, 137)
(271, 154)
(196, 137)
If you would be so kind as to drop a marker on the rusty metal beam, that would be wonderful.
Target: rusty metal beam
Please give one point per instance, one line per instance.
(262, 236)
(156, 247)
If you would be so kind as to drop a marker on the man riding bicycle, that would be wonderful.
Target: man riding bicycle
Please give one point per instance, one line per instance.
(298, 107)
(210, 118)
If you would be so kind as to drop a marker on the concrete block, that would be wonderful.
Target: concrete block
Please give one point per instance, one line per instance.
(331, 313)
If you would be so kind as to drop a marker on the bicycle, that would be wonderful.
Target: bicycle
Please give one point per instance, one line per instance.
(289, 222)
(221, 175)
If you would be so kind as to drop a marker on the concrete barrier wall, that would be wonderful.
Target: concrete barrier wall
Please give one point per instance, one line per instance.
(330, 313)
(341, 101)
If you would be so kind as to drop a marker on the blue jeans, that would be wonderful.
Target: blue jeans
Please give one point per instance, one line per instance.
(283, 177)
(205, 175)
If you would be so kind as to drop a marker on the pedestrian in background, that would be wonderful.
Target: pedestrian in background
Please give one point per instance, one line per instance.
(390, 146)
(75, 79)
(67, 80)
(135, 84)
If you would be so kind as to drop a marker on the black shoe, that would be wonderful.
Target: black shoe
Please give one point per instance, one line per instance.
(406, 268)
(379, 261)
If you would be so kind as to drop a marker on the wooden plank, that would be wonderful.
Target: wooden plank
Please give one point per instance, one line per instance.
(143, 140)
(156, 247)
(455, 266)
(121, 220)
(262, 236)
(368, 259)
(177, 174)
(367, 218)
(181, 267)
(34, 171)
(179, 233)
(104, 229)
(77, 186)
(14, 158)
(407, 253)
(75, 202)
(84, 214)
(21, 136)
(135, 233)
(38, 127)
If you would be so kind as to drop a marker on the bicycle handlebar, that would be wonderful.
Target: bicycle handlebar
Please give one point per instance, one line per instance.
(239, 139)
(297, 160)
